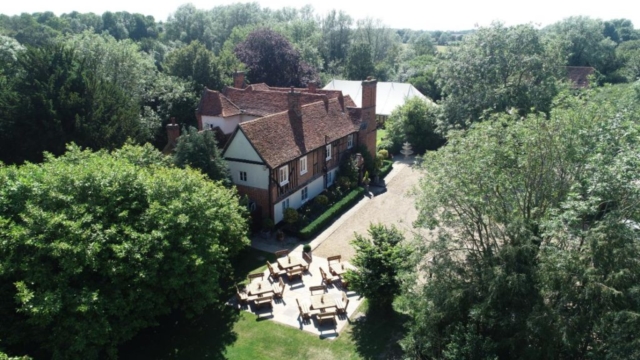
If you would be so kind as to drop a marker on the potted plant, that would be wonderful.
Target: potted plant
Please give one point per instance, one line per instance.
(280, 235)
(306, 251)
(366, 180)
(267, 227)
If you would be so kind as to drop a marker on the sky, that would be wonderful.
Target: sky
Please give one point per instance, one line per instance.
(412, 14)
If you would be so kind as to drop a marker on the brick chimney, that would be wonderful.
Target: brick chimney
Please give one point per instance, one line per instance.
(312, 86)
(294, 102)
(238, 79)
(367, 133)
(173, 132)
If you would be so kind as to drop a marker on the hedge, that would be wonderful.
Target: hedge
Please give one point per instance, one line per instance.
(387, 165)
(328, 216)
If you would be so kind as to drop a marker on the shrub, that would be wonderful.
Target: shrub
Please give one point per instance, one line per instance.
(384, 154)
(291, 216)
(337, 209)
(321, 200)
(306, 248)
(386, 168)
(344, 182)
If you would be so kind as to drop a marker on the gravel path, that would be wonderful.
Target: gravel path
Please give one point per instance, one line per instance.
(394, 206)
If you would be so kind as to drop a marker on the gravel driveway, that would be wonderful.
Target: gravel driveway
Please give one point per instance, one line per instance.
(394, 207)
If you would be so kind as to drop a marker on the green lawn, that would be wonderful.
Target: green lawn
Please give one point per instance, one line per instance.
(381, 133)
(226, 333)
(366, 339)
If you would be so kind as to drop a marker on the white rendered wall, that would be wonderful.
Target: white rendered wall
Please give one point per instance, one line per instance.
(295, 199)
(257, 175)
(240, 148)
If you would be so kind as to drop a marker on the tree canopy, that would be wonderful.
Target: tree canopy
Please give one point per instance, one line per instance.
(498, 69)
(271, 59)
(536, 247)
(96, 246)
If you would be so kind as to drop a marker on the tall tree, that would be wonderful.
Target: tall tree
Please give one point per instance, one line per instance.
(496, 69)
(199, 150)
(535, 249)
(359, 63)
(97, 246)
(271, 59)
(416, 122)
(195, 63)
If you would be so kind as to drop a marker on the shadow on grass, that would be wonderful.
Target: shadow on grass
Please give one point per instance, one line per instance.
(376, 336)
(176, 337)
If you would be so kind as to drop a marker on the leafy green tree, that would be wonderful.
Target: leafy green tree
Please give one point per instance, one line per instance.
(96, 246)
(585, 43)
(195, 63)
(271, 59)
(535, 249)
(199, 150)
(415, 122)
(336, 37)
(423, 45)
(378, 259)
(359, 63)
(498, 69)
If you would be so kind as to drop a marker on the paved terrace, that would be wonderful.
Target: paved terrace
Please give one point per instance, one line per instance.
(285, 310)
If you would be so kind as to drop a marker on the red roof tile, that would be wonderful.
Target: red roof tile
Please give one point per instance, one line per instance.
(283, 137)
(263, 103)
(213, 103)
(579, 75)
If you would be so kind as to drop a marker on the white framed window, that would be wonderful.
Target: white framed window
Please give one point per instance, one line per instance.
(328, 151)
(304, 194)
(243, 176)
(329, 178)
(285, 205)
(350, 141)
(303, 165)
(283, 175)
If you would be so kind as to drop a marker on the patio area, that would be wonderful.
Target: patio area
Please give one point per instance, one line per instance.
(308, 302)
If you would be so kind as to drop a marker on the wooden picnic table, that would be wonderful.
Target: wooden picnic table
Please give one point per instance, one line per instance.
(260, 287)
(341, 268)
(321, 302)
(288, 262)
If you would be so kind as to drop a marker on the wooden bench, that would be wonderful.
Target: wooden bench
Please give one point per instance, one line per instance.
(342, 303)
(296, 271)
(261, 301)
(318, 288)
(256, 276)
(304, 310)
(326, 316)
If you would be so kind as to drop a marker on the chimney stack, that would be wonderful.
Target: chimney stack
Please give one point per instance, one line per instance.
(313, 86)
(294, 103)
(173, 132)
(238, 79)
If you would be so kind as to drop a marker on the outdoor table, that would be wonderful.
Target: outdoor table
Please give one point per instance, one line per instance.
(260, 287)
(290, 262)
(321, 302)
(341, 268)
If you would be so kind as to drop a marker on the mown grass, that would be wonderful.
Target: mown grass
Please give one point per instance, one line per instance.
(227, 333)
(380, 135)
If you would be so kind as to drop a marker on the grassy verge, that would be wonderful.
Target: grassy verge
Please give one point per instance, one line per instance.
(380, 134)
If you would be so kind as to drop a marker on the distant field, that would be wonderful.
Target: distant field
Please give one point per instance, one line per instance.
(441, 48)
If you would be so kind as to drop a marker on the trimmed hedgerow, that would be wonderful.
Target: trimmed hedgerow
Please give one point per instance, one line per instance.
(386, 168)
(328, 216)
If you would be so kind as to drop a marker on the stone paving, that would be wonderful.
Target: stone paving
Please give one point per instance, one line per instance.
(285, 310)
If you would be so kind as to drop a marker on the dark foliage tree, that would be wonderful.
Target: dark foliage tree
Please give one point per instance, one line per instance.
(199, 150)
(195, 63)
(359, 63)
(271, 59)
(97, 246)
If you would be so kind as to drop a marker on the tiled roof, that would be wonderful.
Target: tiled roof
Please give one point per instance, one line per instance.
(579, 75)
(283, 137)
(213, 103)
(263, 103)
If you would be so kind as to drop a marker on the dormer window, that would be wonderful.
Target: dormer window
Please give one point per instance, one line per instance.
(283, 175)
